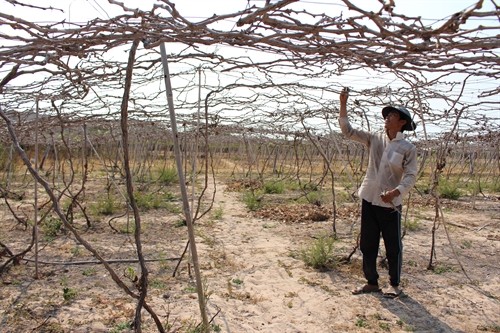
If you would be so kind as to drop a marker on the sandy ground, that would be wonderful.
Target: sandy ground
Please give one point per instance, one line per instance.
(281, 295)
(256, 281)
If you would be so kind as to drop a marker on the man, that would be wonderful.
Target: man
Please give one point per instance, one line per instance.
(391, 173)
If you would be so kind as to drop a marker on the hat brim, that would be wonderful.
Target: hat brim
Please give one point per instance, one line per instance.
(410, 124)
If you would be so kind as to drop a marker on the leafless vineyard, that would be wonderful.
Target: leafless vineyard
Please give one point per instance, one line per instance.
(107, 120)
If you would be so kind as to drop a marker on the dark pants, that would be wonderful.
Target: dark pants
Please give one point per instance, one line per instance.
(376, 220)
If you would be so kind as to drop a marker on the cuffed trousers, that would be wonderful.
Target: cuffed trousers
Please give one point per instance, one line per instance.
(377, 220)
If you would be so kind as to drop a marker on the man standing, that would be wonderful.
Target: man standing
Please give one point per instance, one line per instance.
(391, 173)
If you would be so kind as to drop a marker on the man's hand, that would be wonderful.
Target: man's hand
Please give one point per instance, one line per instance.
(388, 196)
(344, 95)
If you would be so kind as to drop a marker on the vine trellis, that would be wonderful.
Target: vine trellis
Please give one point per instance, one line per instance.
(269, 90)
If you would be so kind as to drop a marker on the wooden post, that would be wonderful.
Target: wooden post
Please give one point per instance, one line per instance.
(182, 184)
(36, 192)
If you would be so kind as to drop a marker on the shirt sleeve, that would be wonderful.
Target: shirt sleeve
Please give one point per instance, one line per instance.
(354, 134)
(409, 172)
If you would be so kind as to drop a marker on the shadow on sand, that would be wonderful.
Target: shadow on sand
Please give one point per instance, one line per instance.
(413, 314)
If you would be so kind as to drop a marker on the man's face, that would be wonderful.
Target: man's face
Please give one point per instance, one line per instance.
(393, 121)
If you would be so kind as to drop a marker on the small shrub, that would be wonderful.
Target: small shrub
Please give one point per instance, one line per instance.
(200, 328)
(157, 284)
(292, 185)
(361, 322)
(76, 251)
(466, 244)
(449, 190)
(180, 223)
(343, 196)
(106, 206)
(319, 254)
(441, 269)
(493, 186)
(237, 281)
(168, 176)
(310, 187)
(412, 225)
(218, 213)
(252, 201)
(423, 188)
(120, 328)
(52, 327)
(384, 327)
(412, 263)
(127, 228)
(4, 157)
(69, 294)
(173, 208)
(50, 227)
(147, 201)
(274, 187)
(314, 197)
(130, 274)
(489, 328)
(191, 289)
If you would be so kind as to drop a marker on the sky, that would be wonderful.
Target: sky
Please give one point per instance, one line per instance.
(433, 13)
(433, 10)
(83, 10)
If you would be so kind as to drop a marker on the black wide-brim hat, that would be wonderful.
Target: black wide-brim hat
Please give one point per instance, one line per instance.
(403, 113)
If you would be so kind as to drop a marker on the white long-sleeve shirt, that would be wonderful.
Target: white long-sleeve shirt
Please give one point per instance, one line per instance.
(392, 164)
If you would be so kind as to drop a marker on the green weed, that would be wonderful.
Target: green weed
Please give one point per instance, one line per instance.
(319, 254)
(168, 176)
(130, 274)
(89, 271)
(361, 322)
(274, 187)
(412, 263)
(200, 328)
(466, 244)
(127, 228)
(314, 197)
(218, 213)
(412, 225)
(106, 206)
(4, 157)
(237, 281)
(490, 328)
(157, 284)
(252, 201)
(120, 328)
(441, 269)
(180, 223)
(76, 251)
(208, 239)
(492, 187)
(384, 326)
(50, 227)
(449, 190)
(310, 187)
(147, 201)
(69, 294)
(190, 289)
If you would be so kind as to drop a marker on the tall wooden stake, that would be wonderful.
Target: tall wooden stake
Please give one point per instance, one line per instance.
(182, 183)
(36, 192)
